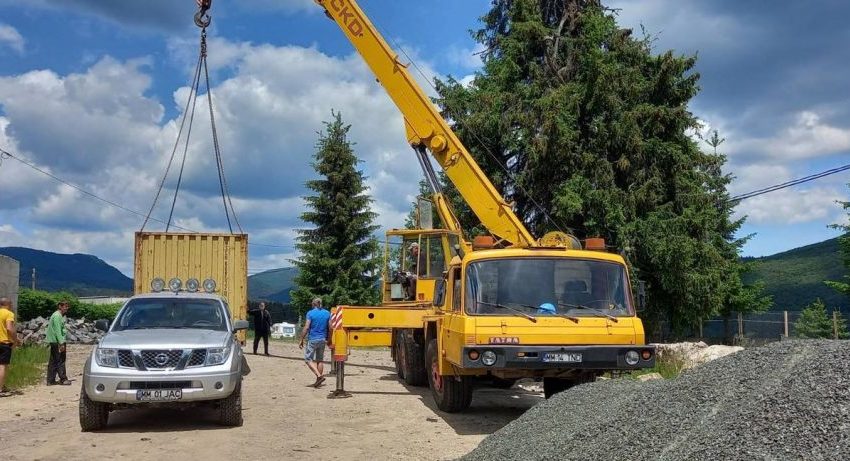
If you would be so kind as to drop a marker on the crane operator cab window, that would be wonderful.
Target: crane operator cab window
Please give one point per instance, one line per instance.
(538, 286)
(422, 257)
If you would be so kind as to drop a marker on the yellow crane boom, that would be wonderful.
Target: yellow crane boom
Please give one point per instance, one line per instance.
(426, 127)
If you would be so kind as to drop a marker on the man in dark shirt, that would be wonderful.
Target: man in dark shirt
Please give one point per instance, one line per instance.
(262, 326)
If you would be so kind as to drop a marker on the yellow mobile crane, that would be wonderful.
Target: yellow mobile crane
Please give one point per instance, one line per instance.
(508, 308)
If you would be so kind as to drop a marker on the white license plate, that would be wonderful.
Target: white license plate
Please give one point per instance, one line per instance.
(158, 395)
(565, 357)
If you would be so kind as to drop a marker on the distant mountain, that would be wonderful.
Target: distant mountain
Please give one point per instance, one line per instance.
(81, 274)
(795, 277)
(272, 285)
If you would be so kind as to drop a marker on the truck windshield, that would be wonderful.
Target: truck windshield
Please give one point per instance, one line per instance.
(539, 287)
(206, 314)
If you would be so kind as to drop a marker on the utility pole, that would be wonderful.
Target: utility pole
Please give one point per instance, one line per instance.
(33, 279)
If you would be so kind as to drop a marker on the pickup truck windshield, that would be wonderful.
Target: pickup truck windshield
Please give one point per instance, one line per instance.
(539, 287)
(138, 314)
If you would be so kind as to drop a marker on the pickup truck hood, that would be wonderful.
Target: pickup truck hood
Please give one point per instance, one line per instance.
(165, 339)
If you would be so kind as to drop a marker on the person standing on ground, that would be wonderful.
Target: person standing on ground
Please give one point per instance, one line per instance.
(262, 326)
(316, 333)
(56, 340)
(8, 340)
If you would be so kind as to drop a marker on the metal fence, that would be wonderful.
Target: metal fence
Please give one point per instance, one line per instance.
(736, 328)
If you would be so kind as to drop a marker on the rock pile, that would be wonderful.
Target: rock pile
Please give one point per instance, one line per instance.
(689, 355)
(78, 331)
(786, 400)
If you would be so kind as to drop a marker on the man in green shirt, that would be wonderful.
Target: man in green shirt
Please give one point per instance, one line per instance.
(56, 339)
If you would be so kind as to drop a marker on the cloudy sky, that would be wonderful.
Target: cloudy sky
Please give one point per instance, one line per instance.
(92, 91)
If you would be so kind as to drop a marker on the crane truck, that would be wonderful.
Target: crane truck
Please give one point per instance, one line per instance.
(501, 307)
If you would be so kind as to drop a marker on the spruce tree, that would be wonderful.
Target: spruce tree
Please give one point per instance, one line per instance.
(815, 322)
(581, 126)
(339, 255)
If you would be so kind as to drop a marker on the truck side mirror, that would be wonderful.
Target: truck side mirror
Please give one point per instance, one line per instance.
(641, 296)
(439, 292)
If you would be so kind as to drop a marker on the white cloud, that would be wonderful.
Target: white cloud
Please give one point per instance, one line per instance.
(9, 36)
(468, 58)
(107, 135)
(808, 137)
(791, 206)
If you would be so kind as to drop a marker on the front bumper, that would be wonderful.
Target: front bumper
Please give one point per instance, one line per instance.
(111, 385)
(532, 357)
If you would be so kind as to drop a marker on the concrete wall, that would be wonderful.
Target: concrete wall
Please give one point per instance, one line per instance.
(9, 280)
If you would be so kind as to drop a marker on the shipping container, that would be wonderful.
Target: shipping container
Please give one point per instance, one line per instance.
(221, 257)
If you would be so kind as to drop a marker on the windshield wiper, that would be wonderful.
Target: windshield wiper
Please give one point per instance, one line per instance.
(502, 306)
(592, 309)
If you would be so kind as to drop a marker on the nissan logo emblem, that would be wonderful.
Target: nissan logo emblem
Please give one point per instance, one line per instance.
(161, 358)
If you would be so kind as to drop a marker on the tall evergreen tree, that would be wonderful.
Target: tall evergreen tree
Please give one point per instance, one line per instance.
(583, 127)
(339, 255)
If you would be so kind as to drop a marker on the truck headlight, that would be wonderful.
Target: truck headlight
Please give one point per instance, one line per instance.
(632, 358)
(217, 355)
(488, 358)
(106, 357)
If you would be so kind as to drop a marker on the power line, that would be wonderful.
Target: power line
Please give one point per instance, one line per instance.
(791, 183)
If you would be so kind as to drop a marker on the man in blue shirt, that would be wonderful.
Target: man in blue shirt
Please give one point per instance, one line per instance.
(316, 333)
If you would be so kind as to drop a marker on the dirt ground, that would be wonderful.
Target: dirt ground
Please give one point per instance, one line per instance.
(284, 417)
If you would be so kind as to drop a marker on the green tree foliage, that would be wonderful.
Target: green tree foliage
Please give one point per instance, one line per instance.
(815, 322)
(37, 303)
(583, 127)
(339, 255)
(844, 245)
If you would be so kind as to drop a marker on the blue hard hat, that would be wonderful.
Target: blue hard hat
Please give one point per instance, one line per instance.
(546, 308)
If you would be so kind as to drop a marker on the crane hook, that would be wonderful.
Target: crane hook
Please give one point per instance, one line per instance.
(202, 19)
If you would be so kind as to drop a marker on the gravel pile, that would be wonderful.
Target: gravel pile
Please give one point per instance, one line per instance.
(787, 400)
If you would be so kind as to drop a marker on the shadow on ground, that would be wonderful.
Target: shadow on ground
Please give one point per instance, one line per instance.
(151, 420)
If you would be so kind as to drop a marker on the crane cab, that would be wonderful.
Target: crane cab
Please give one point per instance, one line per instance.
(414, 260)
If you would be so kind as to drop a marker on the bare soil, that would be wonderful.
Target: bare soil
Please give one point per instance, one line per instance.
(284, 418)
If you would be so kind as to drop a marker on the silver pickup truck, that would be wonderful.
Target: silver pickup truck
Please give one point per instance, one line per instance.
(166, 349)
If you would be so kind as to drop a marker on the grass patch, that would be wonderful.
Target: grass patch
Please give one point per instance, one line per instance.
(28, 364)
(669, 366)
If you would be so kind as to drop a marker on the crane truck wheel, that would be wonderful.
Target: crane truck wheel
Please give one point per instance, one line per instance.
(398, 352)
(415, 371)
(451, 393)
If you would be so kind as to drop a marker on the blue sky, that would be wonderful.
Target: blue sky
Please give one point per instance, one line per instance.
(93, 90)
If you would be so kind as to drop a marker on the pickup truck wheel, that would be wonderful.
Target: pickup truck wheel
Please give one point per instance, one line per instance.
(93, 415)
(415, 371)
(230, 408)
(451, 393)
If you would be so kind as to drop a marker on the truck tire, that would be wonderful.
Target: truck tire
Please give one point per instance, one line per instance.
(552, 386)
(451, 393)
(93, 415)
(398, 352)
(415, 371)
(230, 408)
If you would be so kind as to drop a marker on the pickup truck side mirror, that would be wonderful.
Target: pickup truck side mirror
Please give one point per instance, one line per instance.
(641, 296)
(102, 325)
(240, 325)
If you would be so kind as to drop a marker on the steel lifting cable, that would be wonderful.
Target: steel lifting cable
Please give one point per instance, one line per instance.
(192, 95)
(202, 20)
